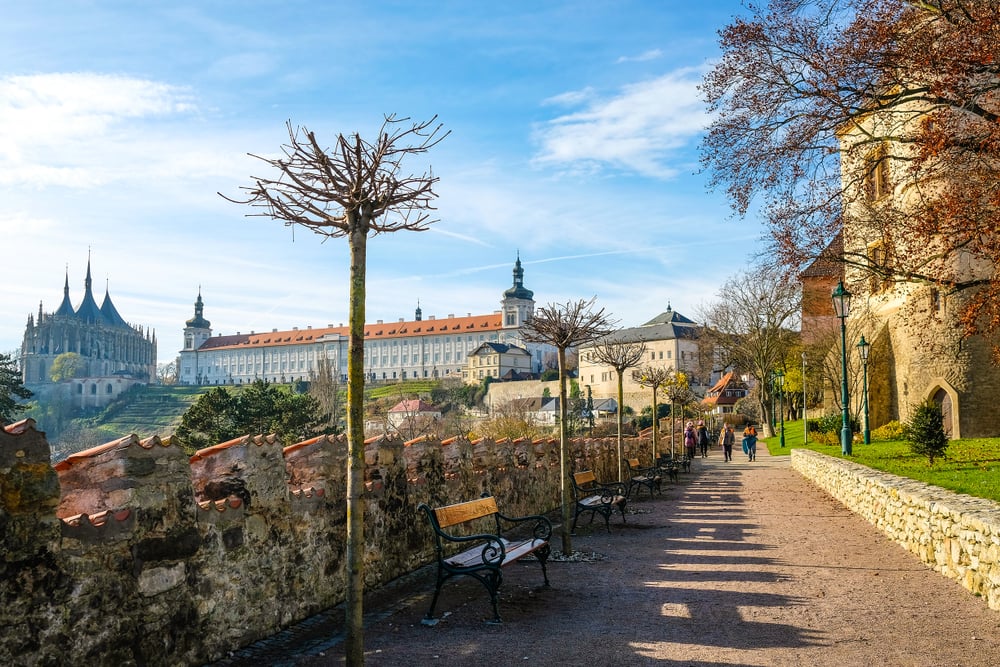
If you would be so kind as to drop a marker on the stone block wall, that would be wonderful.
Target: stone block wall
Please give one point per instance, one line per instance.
(133, 553)
(955, 534)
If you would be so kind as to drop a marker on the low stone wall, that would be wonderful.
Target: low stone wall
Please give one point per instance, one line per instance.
(955, 534)
(134, 553)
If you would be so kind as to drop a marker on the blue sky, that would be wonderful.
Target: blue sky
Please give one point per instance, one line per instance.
(574, 131)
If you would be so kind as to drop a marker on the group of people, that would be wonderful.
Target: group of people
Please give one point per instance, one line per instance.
(696, 438)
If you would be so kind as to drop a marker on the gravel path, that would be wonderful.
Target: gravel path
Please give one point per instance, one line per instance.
(739, 564)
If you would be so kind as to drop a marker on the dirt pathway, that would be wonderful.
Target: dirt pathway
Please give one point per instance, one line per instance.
(739, 564)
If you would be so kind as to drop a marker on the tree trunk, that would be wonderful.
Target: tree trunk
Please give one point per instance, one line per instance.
(621, 422)
(565, 491)
(354, 643)
(656, 425)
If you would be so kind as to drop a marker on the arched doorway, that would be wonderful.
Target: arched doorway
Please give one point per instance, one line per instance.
(943, 400)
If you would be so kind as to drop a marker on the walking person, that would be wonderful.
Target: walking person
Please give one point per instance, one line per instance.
(727, 439)
(703, 441)
(690, 440)
(750, 442)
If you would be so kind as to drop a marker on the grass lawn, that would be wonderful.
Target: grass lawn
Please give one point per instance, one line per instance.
(970, 466)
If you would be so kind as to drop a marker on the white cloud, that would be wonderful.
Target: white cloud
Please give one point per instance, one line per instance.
(65, 128)
(652, 54)
(637, 130)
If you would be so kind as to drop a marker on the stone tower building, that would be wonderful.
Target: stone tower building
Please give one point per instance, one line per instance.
(918, 350)
(115, 354)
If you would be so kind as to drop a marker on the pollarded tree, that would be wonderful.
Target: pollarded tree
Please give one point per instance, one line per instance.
(11, 389)
(678, 390)
(655, 378)
(356, 189)
(621, 356)
(564, 326)
(916, 83)
(752, 326)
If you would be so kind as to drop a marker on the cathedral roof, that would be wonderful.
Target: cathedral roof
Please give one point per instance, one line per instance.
(66, 307)
(88, 311)
(110, 313)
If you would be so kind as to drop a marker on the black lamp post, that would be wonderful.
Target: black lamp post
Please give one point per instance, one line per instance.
(863, 348)
(772, 377)
(805, 417)
(842, 307)
(780, 375)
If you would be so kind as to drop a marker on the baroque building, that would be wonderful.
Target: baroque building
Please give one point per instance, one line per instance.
(402, 350)
(671, 341)
(115, 355)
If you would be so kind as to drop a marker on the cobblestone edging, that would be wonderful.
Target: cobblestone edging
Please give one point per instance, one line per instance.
(955, 534)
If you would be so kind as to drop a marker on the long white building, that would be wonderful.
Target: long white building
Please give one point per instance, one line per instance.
(401, 350)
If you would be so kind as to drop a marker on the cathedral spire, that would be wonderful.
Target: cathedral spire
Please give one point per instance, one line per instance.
(66, 307)
(88, 310)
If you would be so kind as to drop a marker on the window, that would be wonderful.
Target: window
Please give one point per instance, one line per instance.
(937, 301)
(878, 267)
(876, 179)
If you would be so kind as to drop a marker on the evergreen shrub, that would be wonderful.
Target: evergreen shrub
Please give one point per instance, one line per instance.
(925, 431)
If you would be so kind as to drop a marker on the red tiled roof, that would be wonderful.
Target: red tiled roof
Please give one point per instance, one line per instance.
(450, 325)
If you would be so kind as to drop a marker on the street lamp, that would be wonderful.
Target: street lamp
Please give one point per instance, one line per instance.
(780, 376)
(772, 378)
(863, 348)
(805, 418)
(842, 307)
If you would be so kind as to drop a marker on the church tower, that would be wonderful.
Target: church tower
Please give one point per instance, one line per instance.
(197, 330)
(518, 302)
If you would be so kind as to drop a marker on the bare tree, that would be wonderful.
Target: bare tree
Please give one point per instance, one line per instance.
(325, 387)
(875, 117)
(678, 390)
(621, 356)
(753, 326)
(655, 378)
(564, 326)
(355, 189)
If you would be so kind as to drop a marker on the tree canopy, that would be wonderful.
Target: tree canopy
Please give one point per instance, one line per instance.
(797, 76)
(11, 389)
(260, 408)
(66, 366)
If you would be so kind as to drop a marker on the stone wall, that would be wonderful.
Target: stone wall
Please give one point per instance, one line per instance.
(955, 534)
(133, 553)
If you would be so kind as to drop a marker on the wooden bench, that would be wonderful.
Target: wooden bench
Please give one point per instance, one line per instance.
(488, 550)
(649, 477)
(596, 498)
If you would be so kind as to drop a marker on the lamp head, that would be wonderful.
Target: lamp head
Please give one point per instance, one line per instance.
(841, 300)
(863, 348)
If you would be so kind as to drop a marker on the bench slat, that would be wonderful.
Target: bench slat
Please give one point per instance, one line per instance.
(467, 511)
(515, 550)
